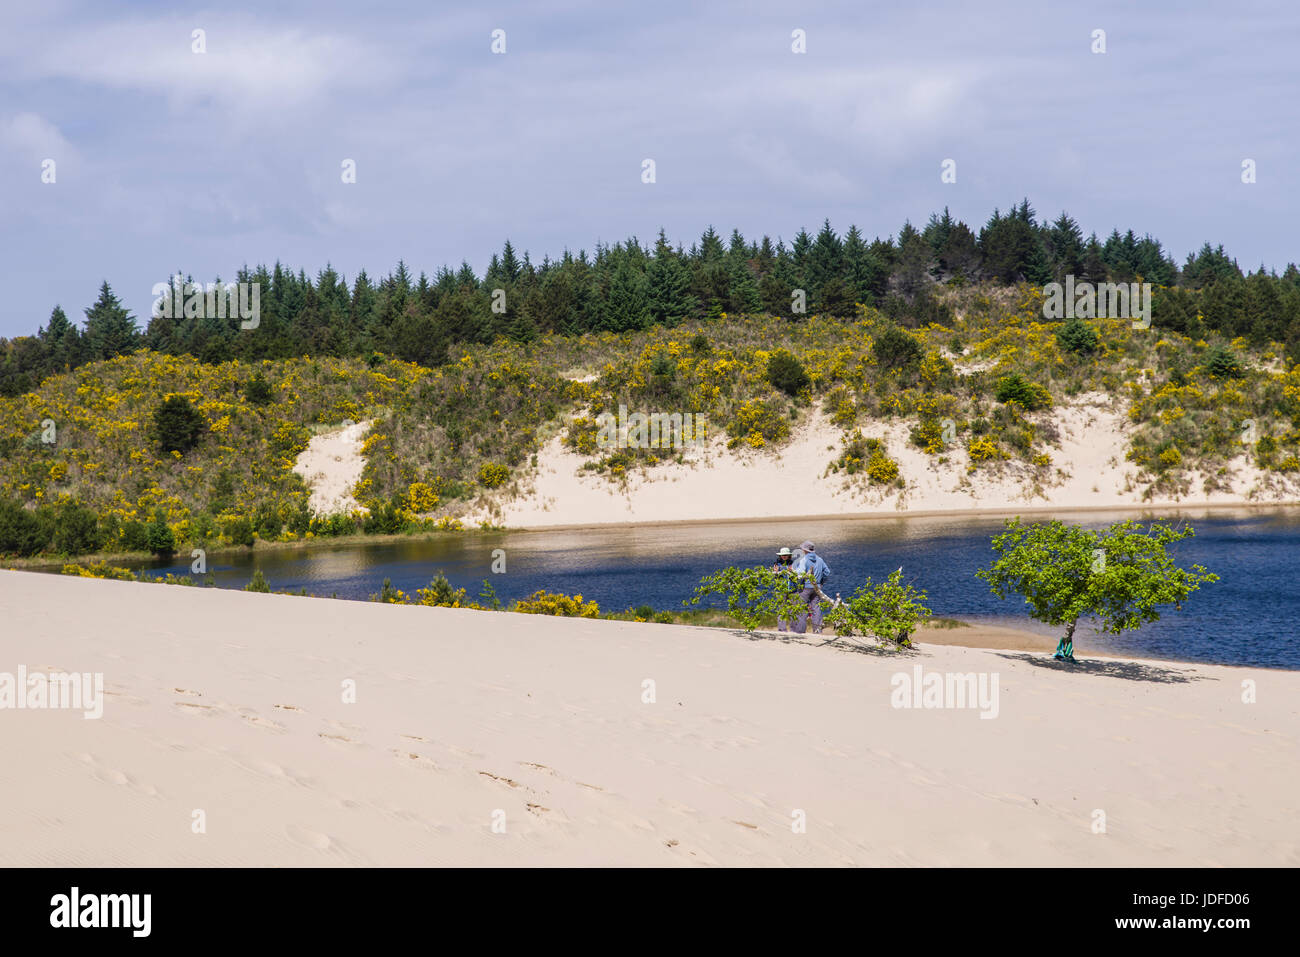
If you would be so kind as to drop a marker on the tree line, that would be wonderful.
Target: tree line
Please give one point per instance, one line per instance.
(628, 286)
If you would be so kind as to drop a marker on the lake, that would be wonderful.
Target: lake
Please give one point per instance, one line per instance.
(1250, 617)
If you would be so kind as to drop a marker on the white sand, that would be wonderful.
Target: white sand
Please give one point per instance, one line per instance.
(331, 465)
(230, 703)
(1088, 470)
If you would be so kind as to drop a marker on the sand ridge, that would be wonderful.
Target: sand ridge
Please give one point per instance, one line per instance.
(231, 703)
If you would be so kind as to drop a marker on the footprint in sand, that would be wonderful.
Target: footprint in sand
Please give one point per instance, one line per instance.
(264, 723)
(506, 781)
(339, 738)
(415, 760)
(310, 838)
(288, 707)
(113, 776)
(196, 694)
(269, 769)
(539, 767)
(204, 709)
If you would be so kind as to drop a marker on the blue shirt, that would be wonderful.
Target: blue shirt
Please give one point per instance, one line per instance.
(812, 564)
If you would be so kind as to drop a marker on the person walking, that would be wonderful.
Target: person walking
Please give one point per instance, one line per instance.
(815, 573)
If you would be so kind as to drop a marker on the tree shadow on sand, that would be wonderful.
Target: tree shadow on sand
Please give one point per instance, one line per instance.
(827, 641)
(1110, 668)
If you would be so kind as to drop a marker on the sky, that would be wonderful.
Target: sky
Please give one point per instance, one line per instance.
(166, 159)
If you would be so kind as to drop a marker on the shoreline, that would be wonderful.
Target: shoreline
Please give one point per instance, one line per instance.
(1142, 512)
(876, 516)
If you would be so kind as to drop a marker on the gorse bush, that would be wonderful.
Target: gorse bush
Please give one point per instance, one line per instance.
(866, 455)
(493, 475)
(542, 602)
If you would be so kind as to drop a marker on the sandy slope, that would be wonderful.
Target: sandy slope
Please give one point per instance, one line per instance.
(230, 703)
(1088, 471)
(330, 465)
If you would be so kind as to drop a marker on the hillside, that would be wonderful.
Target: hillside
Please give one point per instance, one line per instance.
(823, 415)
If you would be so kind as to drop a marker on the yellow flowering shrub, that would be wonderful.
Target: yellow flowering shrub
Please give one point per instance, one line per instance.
(542, 602)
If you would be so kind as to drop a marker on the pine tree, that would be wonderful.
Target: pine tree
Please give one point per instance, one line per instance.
(110, 329)
(669, 286)
(61, 341)
(629, 301)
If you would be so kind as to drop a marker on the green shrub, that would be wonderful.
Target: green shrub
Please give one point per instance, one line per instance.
(382, 519)
(1078, 337)
(258, 391)
(239, 531)
(786, 373)
(1222, 363)
(135, 536)
(159, 537)
(1029, 395)
(895, 349)
(77, 531)
(21, 531)
(258, 583)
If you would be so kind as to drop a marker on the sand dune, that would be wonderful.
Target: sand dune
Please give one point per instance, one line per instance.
(230, 704)
(331, 465)
(1089, 470)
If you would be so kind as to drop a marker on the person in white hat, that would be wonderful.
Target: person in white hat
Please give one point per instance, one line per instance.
(784, 565)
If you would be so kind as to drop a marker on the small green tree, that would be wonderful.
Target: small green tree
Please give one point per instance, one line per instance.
(1222, 363)
(258, 391)
(1078, 337)
(889, 611)
(755, 596)
(258, 583)
(1119, 575)
(1016, 388)
(178, 425)
(159, 536)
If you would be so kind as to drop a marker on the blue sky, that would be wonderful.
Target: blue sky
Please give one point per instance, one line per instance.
(167, 159)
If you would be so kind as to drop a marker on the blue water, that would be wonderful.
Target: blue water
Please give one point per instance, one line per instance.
(1250, 617)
